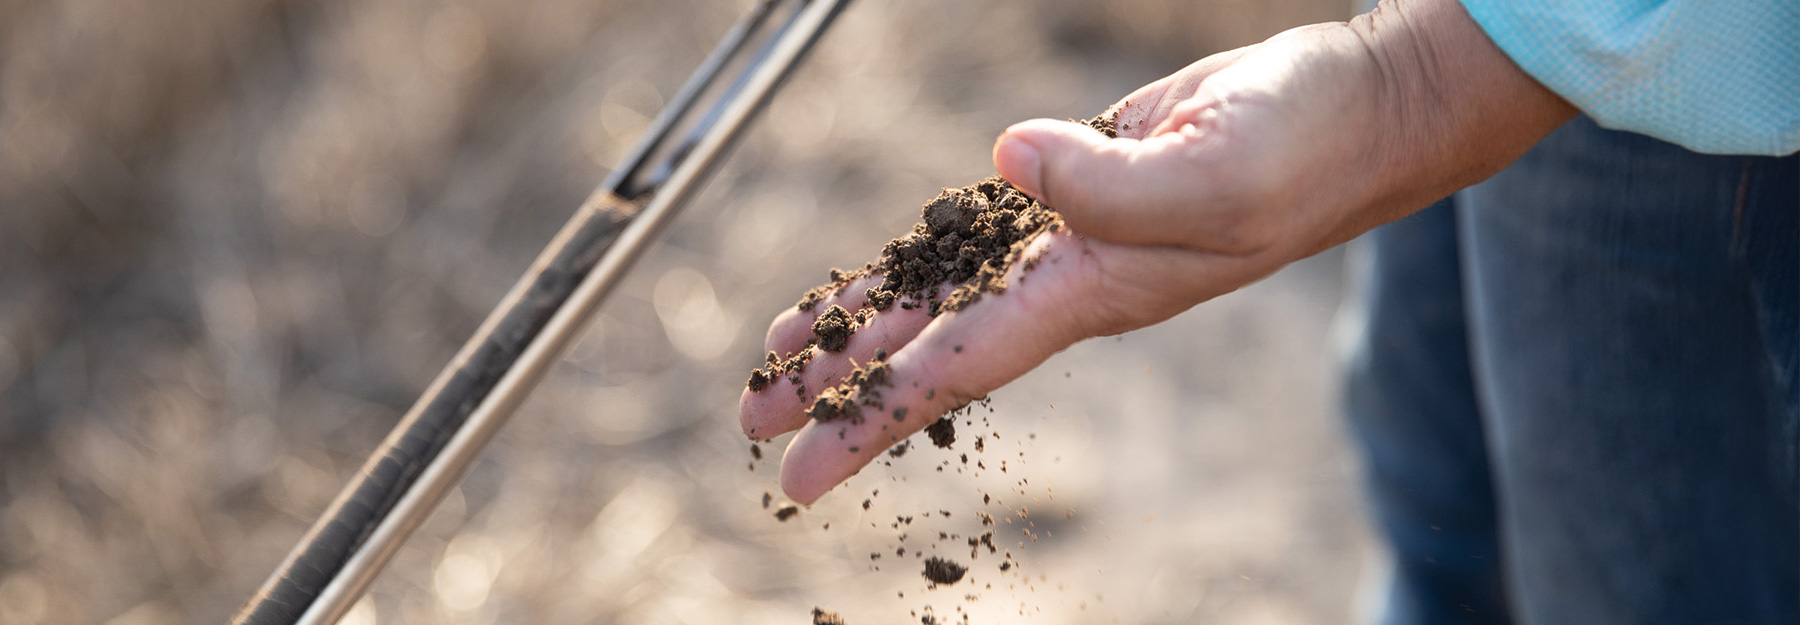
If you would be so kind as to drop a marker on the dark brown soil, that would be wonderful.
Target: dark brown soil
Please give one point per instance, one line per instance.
(821, 617)
(943, 572)
(967, 238)
(833, 328)
(834, 404)
(786, 511)
(775, 367)
(986, 539)
(861, 388)
(942, 432)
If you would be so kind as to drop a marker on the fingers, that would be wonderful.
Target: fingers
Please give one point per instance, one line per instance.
(781, 406)
(1077, 288)
(791, 329)
(960, 356)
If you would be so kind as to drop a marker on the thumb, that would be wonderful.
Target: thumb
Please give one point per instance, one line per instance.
(1123, 190)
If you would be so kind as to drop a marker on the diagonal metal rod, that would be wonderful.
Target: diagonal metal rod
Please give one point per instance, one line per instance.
(435, 443)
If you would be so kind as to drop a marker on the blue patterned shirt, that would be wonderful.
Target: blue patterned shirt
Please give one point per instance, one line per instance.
(1718, 76)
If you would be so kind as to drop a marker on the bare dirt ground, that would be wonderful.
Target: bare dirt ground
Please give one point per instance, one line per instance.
(238, 237)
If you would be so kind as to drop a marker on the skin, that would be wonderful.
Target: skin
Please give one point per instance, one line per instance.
(1223, 173)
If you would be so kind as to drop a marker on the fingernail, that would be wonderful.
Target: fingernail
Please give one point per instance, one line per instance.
(1018, 161)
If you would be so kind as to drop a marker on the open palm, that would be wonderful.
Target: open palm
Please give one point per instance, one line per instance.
(1222, 173)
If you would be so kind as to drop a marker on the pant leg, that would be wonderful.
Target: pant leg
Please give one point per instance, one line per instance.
(1632, 334)
(1410, 400)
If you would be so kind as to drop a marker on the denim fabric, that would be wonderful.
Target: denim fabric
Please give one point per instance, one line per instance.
(1575, 388)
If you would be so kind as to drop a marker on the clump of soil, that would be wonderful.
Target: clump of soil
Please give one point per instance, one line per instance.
(834, 403)
(967, 238)
(833, 328)
(775, 367)
(861, 388)
(838, 278)
(786, 511)
(821, 617)
(943, 572)
(942, 432)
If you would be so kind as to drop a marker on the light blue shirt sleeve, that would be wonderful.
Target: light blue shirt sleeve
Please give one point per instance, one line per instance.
(1718, 76)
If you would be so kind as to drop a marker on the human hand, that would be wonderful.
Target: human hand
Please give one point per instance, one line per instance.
(1222, 173)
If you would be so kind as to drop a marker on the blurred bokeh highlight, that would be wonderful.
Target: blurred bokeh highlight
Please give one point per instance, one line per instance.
(237, 237)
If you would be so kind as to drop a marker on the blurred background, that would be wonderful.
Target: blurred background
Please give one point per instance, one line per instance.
(238, 236)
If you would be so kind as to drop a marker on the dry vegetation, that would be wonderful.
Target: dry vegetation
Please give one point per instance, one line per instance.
(237, 236)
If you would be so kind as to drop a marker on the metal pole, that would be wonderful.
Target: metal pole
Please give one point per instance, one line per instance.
(435, 443)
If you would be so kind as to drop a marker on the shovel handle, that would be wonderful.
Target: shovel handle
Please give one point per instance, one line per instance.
(431, 448)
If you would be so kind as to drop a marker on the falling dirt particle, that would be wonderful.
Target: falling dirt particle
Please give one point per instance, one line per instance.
(942, 432)
(986, 539)
(866, 504)
(821, 617)
(766, 499)
(944, 572)
(786, 511)
(756, 451)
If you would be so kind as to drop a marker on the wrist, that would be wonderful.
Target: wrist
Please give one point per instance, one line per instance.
(1454, 108)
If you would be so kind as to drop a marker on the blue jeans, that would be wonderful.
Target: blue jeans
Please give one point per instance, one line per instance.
(1575, 389)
